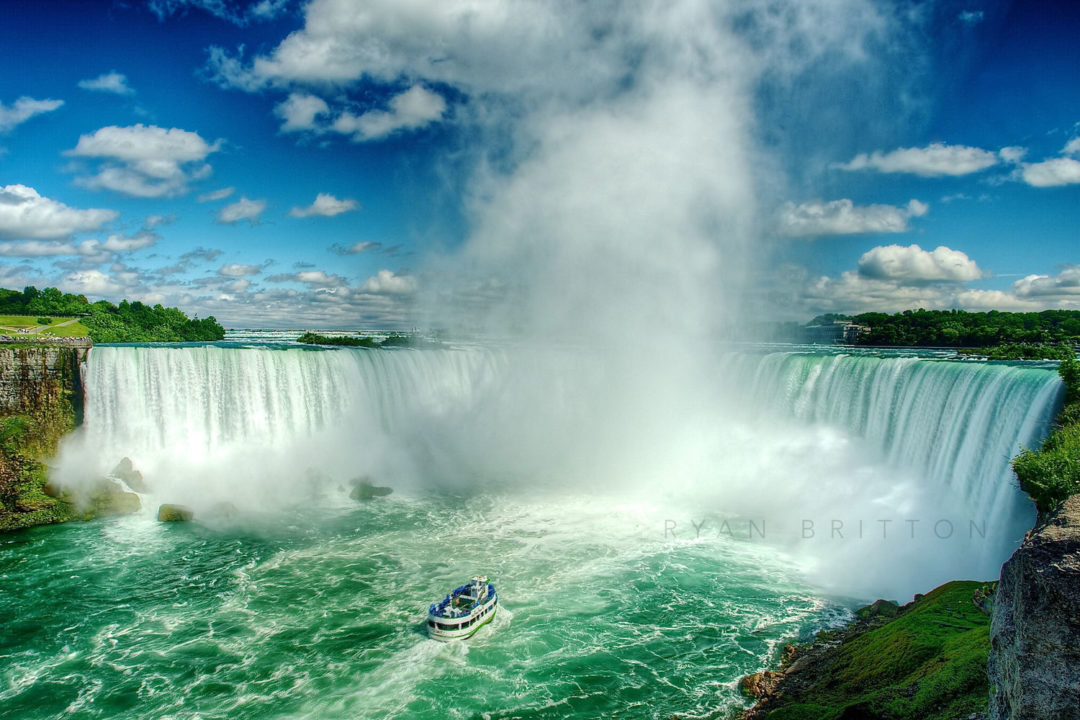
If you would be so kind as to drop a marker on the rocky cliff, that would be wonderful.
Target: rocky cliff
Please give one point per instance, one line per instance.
(1034, 665)
(41, 399)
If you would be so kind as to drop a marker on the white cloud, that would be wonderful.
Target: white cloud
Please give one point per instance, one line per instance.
(984, 300)
(121, 243)
(91, 282)
(388, 283)
(1072, 147)
(26, 214)
(852, 292)
(412, 109)
(23, 109)
(217, 194)
(971, 17)
(111, 82)
(300, 110)
(1066, 285)
(37, 248)
(914, 266)
(1012, 154)
(242, 209)
(236, 270)
(1052, 173)
(891, 279)
(843, 217)
(935, 160)
(313, 278)
(145, 160)
(325, 205)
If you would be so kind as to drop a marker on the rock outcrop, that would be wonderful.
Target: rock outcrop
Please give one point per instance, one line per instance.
(125, 470)
(364, 489)
(40, 401)
(175, 513)
(1034, 664)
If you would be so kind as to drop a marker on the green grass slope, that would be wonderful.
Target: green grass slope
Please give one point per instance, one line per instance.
(929, 663)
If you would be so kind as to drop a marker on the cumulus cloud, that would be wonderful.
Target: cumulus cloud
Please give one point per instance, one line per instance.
(91, 282)
(915, 266)
(843, 217)
(23, 109)
(138, 241)
(1052, 173)
(242, 209)
(325, 205)
(312, 278)
(144, 160)
(890, 278)
(386, 282)
(300, 110)
(853, 292)
(217, 194)
(238, 270)
(935, 160)
(1012, 154)
(1065, 285)
(24, 213)
(411, 110)
(110, 82)
(893, 278)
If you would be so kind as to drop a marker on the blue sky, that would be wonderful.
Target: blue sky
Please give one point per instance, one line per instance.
(339, 163)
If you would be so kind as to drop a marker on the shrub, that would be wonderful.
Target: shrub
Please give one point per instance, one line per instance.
(1052, 473)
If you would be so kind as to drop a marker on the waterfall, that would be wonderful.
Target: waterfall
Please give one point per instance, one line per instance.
(784, 436)
(922, 440)
(213, 423)
(955, 423)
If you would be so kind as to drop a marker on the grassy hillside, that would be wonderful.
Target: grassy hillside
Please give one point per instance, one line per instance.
(58, 326)
(927, 663)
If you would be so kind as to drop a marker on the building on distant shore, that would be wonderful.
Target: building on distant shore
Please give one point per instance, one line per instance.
(840, 332)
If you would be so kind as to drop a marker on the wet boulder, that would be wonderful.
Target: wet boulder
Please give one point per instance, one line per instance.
(175, 513)
(364, 489)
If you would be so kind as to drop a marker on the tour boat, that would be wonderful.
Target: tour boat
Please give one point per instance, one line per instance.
(464, 611)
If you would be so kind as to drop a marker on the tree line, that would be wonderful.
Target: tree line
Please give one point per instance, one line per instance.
(960, 328)
(109, 323)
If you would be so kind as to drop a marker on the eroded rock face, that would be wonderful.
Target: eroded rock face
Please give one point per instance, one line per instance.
(1034, 664)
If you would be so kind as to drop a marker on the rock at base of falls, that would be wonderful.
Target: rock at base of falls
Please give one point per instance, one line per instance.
(175, 513)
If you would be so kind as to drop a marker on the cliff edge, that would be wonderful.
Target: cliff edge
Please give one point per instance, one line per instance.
(1034, 664)
(41, 400)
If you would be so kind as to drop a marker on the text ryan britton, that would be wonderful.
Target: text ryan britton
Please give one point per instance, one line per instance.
(833, 529)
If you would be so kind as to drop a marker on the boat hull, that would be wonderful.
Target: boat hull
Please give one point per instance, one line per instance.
(446, 629)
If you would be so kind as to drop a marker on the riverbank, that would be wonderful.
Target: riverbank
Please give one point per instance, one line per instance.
(934, 660)
(924, 660)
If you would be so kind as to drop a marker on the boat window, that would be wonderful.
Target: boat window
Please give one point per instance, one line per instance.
(431, 623)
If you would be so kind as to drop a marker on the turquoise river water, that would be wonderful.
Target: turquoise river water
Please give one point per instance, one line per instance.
(294, 601)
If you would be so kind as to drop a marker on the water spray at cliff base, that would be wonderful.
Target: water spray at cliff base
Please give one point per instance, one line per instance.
(607, 250)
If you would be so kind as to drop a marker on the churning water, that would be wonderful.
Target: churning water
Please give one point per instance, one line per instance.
(619, 600)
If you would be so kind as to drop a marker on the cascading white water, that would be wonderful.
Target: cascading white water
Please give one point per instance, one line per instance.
(207, 424)
(914, 468)
(957, 424)
(795, 437)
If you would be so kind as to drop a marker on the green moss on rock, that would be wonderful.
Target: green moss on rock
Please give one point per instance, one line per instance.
(928, 662)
